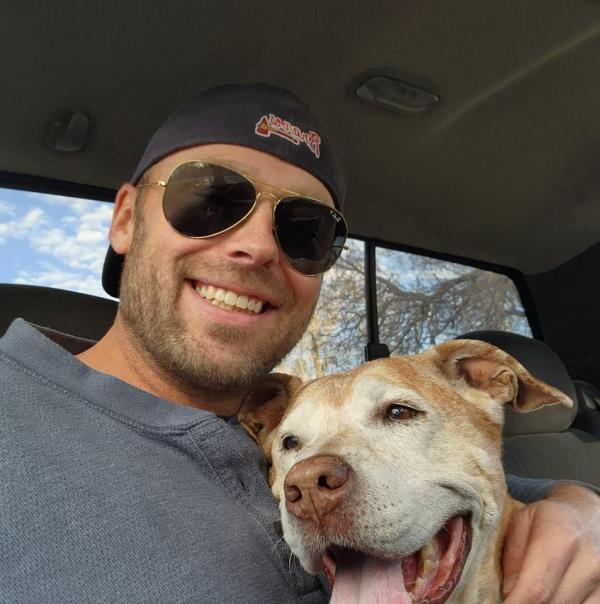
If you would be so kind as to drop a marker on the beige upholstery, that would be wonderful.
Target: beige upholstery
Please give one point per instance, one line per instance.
(544, 443)
(573, 455)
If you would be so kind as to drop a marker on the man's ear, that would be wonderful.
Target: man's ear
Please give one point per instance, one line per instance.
(120, 233)
(264, 406)
(492, 370)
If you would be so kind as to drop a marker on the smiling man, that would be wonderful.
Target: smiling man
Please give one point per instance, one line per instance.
(123, 476)
(221, 310)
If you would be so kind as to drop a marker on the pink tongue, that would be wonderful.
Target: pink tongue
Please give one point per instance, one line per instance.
(364, 580)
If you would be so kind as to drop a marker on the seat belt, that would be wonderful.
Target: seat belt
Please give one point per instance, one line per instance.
(373, 349)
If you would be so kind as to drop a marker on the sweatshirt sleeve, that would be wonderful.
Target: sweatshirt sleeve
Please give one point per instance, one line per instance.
(529, 490)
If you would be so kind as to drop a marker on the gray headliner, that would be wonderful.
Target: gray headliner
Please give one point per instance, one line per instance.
(504, 170)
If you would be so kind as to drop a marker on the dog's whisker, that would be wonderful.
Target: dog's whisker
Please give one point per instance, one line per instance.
(290, 562)
(278, 542)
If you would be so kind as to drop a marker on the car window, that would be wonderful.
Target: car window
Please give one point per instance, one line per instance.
(53, 240)
(337, 333)
(421, 301)
(60, 241)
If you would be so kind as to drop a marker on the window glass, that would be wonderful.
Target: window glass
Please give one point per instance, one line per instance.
(422, 301)
(53, 240)
(337, 334)
(60, 241)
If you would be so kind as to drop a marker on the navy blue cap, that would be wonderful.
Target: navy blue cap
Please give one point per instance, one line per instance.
(259, 116)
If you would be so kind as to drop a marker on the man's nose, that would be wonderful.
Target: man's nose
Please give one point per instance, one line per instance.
(253, 241)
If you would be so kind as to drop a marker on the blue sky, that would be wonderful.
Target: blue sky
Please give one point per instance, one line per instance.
(53, 240)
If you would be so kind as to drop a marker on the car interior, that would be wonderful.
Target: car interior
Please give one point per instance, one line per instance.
(468, 132)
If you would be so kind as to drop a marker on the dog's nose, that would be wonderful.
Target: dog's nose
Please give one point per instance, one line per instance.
(316, 486)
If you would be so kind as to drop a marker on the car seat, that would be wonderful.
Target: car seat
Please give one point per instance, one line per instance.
(588, 416)
(544, 443)
(82, 315)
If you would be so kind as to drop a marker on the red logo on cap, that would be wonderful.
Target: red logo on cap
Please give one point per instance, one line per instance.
(272, 124)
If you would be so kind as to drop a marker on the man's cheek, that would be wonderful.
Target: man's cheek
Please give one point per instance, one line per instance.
(307, 290)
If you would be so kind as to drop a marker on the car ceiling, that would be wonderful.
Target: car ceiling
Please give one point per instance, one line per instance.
(503, 170)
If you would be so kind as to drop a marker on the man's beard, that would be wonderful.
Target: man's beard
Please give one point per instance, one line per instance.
(149, 308)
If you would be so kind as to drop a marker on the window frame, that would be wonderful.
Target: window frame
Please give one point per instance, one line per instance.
(40, 184)
(371, 245)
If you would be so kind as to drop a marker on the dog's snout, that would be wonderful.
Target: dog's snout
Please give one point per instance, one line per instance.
(316, 486)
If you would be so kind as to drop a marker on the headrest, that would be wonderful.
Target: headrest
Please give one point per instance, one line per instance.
(65, 311)
(542, 362)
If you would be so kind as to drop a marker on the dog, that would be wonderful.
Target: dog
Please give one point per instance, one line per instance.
(389, 477)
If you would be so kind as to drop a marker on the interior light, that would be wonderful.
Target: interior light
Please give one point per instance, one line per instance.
(394, 94)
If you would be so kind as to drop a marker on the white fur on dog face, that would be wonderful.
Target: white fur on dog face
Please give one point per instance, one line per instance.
(406, 474)
(410, 475)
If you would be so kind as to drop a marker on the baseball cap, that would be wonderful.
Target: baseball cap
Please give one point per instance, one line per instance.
(259, 116)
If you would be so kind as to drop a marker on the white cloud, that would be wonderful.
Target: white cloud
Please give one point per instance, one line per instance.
(90, 237)
(83, 250)
(79, 241)
(55, 277)
(66, 239)
(77, 204)
(27, 226)
(7, 208)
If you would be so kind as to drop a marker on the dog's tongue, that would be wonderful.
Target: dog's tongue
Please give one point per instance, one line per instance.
(361, 579)
(429, 574)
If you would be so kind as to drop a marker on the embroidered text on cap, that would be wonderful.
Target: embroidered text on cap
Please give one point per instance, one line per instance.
(273, 124)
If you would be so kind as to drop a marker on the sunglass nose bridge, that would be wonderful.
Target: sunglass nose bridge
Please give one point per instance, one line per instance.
(275, 197)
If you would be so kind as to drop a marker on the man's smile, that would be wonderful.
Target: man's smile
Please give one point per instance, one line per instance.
(224, 298)
(230, 300)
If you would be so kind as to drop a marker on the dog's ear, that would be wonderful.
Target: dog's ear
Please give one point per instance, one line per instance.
(264, 406)
(488, 368)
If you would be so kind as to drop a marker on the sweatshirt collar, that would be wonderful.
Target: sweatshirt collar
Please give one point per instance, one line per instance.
(50, 356)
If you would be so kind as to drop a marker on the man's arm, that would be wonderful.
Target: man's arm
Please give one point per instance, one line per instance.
(552, 549)
(528, 490)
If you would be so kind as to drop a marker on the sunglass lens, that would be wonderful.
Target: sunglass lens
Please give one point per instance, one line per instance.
(311, 235)
(204, 199)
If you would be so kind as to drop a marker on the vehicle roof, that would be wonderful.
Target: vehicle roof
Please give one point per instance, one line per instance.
(502, 170)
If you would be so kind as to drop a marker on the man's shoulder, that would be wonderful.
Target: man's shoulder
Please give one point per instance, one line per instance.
(36, 372)
(21, 330)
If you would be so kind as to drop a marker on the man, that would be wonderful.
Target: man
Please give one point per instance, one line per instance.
(123, 477)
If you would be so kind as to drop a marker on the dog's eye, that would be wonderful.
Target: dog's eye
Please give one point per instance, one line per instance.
(400, 412)
(290, 442)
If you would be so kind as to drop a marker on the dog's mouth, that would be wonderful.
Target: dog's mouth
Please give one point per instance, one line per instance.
(427, 576)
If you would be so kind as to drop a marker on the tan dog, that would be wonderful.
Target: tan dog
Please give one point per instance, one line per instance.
(390, 477)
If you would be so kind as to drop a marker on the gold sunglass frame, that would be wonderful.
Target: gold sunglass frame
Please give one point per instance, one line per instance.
(336, 214)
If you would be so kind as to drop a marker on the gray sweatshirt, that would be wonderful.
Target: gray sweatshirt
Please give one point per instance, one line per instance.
(110, 494)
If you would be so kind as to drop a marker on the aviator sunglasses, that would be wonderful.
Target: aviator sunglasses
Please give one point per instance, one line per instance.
(206, 199)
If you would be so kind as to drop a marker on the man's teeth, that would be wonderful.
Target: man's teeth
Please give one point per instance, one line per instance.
(230, 300)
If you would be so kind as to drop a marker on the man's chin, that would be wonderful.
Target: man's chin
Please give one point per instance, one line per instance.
(192, 349)
(216, 367)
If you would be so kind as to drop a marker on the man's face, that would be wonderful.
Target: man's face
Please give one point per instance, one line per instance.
(168, 279)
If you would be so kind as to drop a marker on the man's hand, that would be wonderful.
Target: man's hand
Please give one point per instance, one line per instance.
(552, 550)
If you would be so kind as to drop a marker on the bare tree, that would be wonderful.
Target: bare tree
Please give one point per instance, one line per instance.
(441, 301)
(421, 302)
